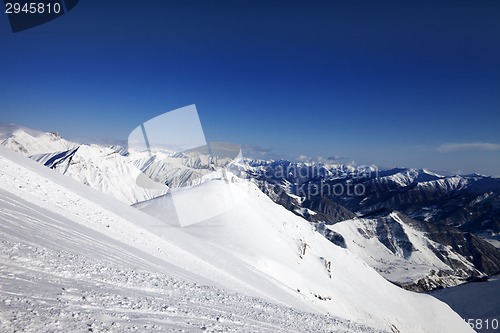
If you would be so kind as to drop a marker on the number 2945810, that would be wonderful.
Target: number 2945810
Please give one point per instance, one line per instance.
(32, 8)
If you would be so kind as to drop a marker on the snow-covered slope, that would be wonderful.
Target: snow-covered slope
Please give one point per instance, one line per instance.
(77, 257)
(404, 254)
(286, 249)
(108, 169)
(102, 168)
(114, 171)
(73, 259)
(469, 202)
(447, 211)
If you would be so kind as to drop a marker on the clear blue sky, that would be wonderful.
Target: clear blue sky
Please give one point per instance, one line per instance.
(399, 83)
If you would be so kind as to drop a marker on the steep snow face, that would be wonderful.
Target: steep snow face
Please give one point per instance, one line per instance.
(81, 237)
(112, 170)
(74, 265)
(76, 257)
(177, 169)
(403, 254)
(101, 168)
(286, 249)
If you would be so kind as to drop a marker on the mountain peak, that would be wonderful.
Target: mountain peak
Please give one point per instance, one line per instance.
(30, 142)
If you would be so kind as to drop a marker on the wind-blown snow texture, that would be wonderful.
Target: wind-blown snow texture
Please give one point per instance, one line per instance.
(73, 258)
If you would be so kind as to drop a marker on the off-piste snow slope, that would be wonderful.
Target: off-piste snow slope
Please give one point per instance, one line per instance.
(385, 243)
(74, 259)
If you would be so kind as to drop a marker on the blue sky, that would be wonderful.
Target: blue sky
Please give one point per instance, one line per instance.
(413, 83)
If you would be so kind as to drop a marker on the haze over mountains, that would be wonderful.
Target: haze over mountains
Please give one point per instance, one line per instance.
(415, 228)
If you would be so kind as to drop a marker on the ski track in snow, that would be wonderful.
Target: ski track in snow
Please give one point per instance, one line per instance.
(58, 274)
(47, 290)
(75, 260)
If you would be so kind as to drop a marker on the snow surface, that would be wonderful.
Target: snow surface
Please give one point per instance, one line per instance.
(112, 170)
(73, 260)
(361, 239)
(284, 247)
(78, 280)
(119, 266)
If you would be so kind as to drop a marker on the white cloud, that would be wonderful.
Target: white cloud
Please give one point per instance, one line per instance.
(336, 158)
(304, 158)
(258, 152)
(452, 147)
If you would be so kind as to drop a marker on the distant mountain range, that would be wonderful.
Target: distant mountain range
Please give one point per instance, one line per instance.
(75, 259)
(456, 217)
(469, 202)
(418, 229)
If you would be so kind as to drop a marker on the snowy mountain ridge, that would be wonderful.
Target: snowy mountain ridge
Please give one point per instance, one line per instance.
(114, 171)
(448, 210)
(30, 142)
(74, 259)
(414, 254)
(47, 212)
